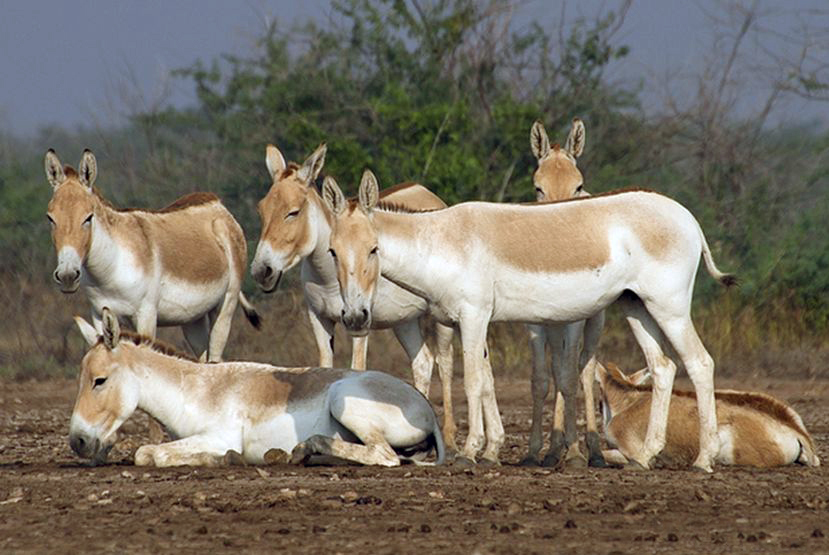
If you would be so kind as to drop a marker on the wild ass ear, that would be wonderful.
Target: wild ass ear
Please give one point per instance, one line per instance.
(54, 169)
(369, 193)
(312, 166)
(88, 331)
(333, 196)
(112, 330)
(539, 142)
(274, 161)
(575, 140)
(88, 168)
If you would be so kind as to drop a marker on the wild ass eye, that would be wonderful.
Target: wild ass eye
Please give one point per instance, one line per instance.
(98, 382)
(292, 214)
(51, 221)
(88, 220)
(332, 253)
(579, 189)
(375, 250)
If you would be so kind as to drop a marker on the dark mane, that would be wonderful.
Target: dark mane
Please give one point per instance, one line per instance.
(759, 402)
(69, 171)
(156, 345)
(181, 203)
(290, 169)
(599, 195)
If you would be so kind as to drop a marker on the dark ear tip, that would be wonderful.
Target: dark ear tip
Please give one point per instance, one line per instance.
(576, 120)
(87, 151)
(50, 151)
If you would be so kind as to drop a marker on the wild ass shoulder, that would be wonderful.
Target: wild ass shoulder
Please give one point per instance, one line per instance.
(244, 407)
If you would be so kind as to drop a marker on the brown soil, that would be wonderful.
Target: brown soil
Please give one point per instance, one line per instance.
(51, 502)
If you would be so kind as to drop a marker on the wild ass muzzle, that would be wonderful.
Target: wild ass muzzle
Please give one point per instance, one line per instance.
(296, 227)
(242, 408)
(754, 429)
(559, 262)
(180, 266)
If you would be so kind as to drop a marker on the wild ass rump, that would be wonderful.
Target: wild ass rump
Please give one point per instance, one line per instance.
(244, 407)
(755, 429)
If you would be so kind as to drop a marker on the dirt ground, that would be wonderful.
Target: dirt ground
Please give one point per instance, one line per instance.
(51, 502)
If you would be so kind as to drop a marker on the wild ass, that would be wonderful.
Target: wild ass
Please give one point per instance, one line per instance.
(180, 266)
(558, 178)
(754, 429)
(243, 407)
(296, 227)
(560, 262)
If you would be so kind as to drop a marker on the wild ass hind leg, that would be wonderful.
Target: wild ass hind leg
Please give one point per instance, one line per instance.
(374, 451)
(473, 339)
(445, 360)
(197, 336)
(593, 327)
(540, 386)
(651, 341)
(324, 335)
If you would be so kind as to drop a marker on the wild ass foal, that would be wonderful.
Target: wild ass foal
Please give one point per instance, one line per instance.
(296, 227)
(754, 429)
(249, 408)
(558, 178)
(474, 263)
(180, 266)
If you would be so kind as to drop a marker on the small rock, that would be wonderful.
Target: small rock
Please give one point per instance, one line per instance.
(425, 528)
(350, 496)
(570, 524)
(436, 494)
(673, 537)
(263, 473)
(513, 508)
(287, 493)
(277, 456)
(127, 474)
(817, 533)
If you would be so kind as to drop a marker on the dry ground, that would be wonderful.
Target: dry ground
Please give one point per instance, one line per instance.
(51, 502)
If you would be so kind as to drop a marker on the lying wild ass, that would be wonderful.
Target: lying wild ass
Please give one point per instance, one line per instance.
(180, 266)
(244, 407)
(296, 226)
(559, 262)
(754, 429)
(558, 178)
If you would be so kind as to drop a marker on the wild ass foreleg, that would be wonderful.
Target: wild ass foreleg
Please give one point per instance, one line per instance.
(650, 339)
(444, 335)
(220, 324)
(592, 332)
(376, 450)
(409, 336)
(323, 329)
(359, 351)
(199, 450)
(540, 386)
(564, 344)
(492, 417)
(473, 339)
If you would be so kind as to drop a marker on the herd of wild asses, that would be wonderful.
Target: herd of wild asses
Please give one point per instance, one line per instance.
(390, 259)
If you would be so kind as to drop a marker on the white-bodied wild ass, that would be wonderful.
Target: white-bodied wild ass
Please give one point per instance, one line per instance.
(296, 227)
(755, 429)
(180, 266)
(242, 407)
(559, 262)
(558, 178)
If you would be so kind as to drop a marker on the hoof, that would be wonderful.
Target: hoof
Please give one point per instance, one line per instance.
(300, 454)
(463, 461)
(234, 458)
(529, 461)
(597, 461)
(488, 463)
(450, 455)
(636, 466)
(277, 456)
(551, 459)
(707, 469)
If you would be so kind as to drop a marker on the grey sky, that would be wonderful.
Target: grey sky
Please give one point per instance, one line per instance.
(70, 63)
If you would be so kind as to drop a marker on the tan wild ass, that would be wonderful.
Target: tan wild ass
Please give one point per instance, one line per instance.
(558, 178)
(245, 407)
(180, 266)
(559, 262)
(296, 227)
(754, 429)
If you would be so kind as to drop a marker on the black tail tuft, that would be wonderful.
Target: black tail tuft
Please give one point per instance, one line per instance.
(253, 317)
(729, 280)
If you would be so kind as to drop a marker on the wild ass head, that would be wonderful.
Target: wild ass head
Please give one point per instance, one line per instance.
(557, 177)
(354, 249)
(71, 213)
(107, 394)
(287, 232)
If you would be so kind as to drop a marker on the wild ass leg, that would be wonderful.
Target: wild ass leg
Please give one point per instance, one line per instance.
(540, 386)
(324, 335)
(592, 332)
(359, 351)
(196, 450)
(564, 343)
(473, 339)
(444, 335)
(375, 451)
(492, 417)
(409, 336)
(197, 335)
(650, 339)
(220, 325)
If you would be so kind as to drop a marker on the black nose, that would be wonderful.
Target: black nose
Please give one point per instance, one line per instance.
(78, 444)
(355, 320)
(267, 271)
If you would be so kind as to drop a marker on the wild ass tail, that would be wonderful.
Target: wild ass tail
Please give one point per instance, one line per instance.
(440, 447)
(726, 279)
(250, 311)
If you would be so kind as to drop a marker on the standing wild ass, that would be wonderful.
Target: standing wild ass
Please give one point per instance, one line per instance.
(180, 266)
(243, 407)
(558, 178)
(754, 429)
(296, 226)
(560, 262)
